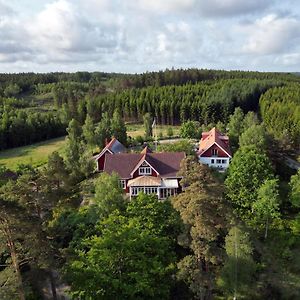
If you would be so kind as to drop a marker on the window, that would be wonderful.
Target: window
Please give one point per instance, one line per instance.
(147, 190)
(150, 190)
(223, 161)
(214, 152)
(122, 184)
(167, 192)
(218, 161)
(134, 191)
(144, 171)
(212, 161)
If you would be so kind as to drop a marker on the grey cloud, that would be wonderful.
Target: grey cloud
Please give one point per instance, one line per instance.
(229, 8)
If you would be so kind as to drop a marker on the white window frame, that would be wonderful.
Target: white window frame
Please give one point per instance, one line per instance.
(212, 161)
(145, 170)
(122, 183)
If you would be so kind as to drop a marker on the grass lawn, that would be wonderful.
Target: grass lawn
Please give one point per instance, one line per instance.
(135, 130)
(35, 155)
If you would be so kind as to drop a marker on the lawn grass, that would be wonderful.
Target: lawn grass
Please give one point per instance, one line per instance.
(135, 130)
(35, 154)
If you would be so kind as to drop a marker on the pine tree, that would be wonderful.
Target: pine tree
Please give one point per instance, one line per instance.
(118, 128)
(103, 131)
(148, 125)
(88, 131)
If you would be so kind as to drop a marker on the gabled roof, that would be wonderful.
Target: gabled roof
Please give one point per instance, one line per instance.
(145, 181)
(214, 137)
(114, 146)
(167, 164)
(146, 150)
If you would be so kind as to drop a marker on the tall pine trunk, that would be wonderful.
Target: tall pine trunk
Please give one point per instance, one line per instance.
(14, 257)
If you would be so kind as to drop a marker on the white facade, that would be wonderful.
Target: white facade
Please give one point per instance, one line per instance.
(221, 163)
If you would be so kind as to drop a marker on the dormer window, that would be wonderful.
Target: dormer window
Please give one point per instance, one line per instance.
(144, 169)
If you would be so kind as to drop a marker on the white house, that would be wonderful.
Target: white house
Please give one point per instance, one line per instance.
(214, 150)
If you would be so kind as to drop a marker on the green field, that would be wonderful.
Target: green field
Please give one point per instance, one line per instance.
(35, 155)
(135, 130)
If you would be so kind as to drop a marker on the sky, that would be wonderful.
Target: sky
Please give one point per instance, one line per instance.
(134, 36)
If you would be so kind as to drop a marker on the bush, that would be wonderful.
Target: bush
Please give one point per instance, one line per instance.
(170, 132)
(191, 130)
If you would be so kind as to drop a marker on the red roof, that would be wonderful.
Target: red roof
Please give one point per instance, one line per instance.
(167, 164)
(214, 137)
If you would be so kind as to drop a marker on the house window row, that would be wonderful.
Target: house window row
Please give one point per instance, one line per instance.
(147, 190)
(218, 161)
(144, 171)
(165, 193)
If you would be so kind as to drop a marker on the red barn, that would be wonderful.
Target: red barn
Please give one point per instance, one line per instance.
(214, 149)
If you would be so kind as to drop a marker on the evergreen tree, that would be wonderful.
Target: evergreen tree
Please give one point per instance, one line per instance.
(118, 128)
(72, 149)
(103, 131)
(235, 127)
(88, 131)
(147, 125)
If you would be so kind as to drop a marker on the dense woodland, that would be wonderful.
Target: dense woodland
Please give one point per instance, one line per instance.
(66, 230)
(36, 107)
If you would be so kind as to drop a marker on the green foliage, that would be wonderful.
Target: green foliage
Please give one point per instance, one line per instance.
(88, 131)
(122, 262)
(266, 207)
(78, 159)
(130, 255)
(12, 90)
(118, 128)
(103, 130)
(255, 136)
(250, 120)
(21, 127)
(170, 132)
(248, 170)
(108, 194)
(237, 276)
(203, 211)
(235, 127)
(191, 130)
(280, 110)
(180, 146)
(295, 189)
(148, 125)
(159, 217)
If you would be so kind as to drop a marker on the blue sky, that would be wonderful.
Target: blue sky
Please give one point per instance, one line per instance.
(145, 35)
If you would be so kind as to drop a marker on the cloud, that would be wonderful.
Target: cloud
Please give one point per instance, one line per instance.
(211, 8)
(165, 6)
(140, 35)
(270, 35)
(229, 8)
